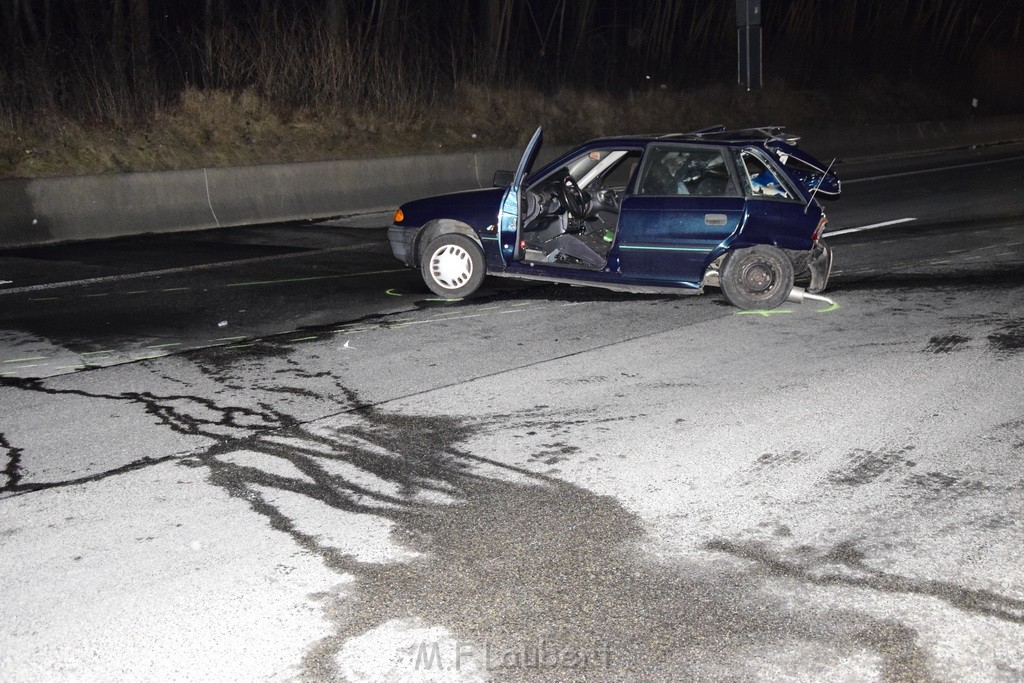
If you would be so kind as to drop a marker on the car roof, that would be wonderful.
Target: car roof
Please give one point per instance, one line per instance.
(715, 135)
(769, 138)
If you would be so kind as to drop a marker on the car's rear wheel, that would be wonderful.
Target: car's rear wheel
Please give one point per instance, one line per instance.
(757, 278)
(453, 266)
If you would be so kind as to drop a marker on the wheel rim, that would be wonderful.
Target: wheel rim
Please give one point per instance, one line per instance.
(451, 266)
(758, 277)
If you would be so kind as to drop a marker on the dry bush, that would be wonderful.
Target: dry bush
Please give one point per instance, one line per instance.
(220, 128)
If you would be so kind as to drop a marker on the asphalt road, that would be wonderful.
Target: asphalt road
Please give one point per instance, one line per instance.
(271, 454)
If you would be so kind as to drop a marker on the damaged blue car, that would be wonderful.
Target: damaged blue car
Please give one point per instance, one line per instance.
(735, 210)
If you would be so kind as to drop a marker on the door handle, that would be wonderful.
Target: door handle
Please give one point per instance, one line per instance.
(715, 219)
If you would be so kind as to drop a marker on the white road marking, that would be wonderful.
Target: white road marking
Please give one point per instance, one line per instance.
(209, 201)
(183, 269)
(868, 227)
(905, 174)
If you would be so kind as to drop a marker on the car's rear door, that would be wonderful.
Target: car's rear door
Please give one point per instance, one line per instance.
(685, 204)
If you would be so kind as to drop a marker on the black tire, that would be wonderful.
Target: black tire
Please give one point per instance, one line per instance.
(453, 266)
(757, 278)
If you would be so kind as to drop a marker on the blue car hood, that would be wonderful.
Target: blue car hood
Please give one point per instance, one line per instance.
(470, 207)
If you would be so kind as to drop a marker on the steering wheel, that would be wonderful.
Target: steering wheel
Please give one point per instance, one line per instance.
(576, 200)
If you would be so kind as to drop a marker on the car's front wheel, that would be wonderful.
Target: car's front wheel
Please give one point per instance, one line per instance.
(453, 266)
(757, 278)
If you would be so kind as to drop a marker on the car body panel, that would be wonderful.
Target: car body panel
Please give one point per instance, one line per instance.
(472, 207)
(772, 222)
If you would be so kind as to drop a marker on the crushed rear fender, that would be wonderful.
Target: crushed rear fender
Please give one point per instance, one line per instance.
(820, 265)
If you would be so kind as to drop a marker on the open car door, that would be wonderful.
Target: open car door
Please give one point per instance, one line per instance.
(510, 215)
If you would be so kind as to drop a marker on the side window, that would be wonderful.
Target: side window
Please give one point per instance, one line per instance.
(677, 171)
(761, 181)
(619, 175)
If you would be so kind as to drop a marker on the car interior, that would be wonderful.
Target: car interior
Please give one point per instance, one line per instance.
(674, 171)
(760, 179)
(571, 215)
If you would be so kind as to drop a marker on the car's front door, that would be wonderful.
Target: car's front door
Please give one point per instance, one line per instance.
(510, 213)
(686, 203)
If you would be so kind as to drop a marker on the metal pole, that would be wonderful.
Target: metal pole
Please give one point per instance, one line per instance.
(748, 43)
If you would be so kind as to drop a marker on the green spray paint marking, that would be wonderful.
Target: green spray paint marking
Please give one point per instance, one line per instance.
(25, 360)
(392, 292)
(833, 307)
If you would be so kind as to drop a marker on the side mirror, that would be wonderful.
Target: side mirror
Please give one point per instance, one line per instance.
(503, 178)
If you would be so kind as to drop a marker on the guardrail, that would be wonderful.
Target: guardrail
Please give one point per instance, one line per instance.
(48, 210)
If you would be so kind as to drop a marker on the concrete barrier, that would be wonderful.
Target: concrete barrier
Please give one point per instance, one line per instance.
(49, 210)
(903, 138)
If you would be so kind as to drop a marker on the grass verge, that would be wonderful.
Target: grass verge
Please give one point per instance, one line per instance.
(221, 128)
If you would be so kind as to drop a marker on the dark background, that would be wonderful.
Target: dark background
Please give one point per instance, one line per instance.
(109, 59)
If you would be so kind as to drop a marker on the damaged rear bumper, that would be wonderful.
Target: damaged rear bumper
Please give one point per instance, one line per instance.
(820, 266)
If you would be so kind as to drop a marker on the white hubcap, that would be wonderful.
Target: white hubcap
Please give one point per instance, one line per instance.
(451, 266)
